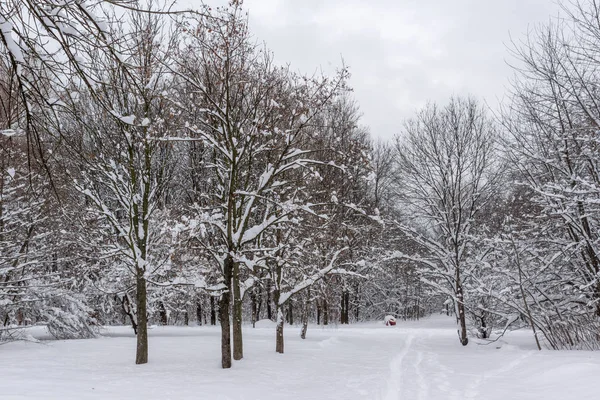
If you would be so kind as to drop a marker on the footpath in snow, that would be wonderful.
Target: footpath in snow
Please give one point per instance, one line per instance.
(414, 360)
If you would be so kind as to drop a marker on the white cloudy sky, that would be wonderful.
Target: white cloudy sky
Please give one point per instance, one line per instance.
(401, 53)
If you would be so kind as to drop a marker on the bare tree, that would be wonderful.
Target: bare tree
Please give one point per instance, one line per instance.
(553, 122)
(445, 175)
(255, 118)
(111, 137)
(382, 161)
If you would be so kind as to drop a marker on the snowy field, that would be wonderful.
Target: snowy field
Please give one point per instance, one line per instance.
(414, 360)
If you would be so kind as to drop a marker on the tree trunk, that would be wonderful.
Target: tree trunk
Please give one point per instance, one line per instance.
(325, 312)
(141, 355)
(225, 330)
(305, 311)
(253, 309)
(318, 312)
(342, 313)
(213, 313)
(269, 309)
(291, 312)
(126, 304)
(345, 305)
(224, 303)
(238, 343)
(199, 311)
(279, 311)
(279, 332)
(357, 302)
(464, 340)
(258, 303)
(162, 313)
(347, 308)
(484, 331)
(597, 294)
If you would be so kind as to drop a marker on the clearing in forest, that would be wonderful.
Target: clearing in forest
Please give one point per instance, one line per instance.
(413, 360)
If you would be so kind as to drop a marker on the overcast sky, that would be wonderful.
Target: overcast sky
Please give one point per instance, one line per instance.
(401, 53)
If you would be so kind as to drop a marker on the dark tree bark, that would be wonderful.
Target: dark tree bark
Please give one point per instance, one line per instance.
(342, 310)
(141, 356)
(238, 342)
(318, 312)
(484, 332)
(253, 308)
(162, 313)
(269, 309)
(419, 305)
(291, 313)
(258, 303)
(305, 311)
(199, 311)
(345, 304)
(464, 340)
(279, 332)
(224, 303)
(356, 302)
(213, 313)
(325, 312)
(279, 329)
(126, 305)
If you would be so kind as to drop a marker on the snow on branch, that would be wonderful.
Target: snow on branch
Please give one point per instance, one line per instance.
(285, 296)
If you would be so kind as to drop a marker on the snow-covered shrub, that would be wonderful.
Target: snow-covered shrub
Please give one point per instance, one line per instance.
(67, 317)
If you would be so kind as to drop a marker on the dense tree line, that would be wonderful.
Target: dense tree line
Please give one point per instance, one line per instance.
(159, 167)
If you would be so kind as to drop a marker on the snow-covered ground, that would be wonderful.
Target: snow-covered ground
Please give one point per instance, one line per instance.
(413, 360)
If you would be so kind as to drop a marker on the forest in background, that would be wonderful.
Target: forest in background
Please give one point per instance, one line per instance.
(158, 167)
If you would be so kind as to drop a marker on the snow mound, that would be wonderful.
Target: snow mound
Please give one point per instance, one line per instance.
(570, 372)
(265, 324)
(332, 341)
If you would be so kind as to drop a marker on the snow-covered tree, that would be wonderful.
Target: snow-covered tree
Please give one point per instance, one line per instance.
(113, 137)
(553, 123)
(254, 117)
(446, 174)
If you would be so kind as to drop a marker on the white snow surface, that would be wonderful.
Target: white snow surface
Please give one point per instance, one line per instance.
(414, 360)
